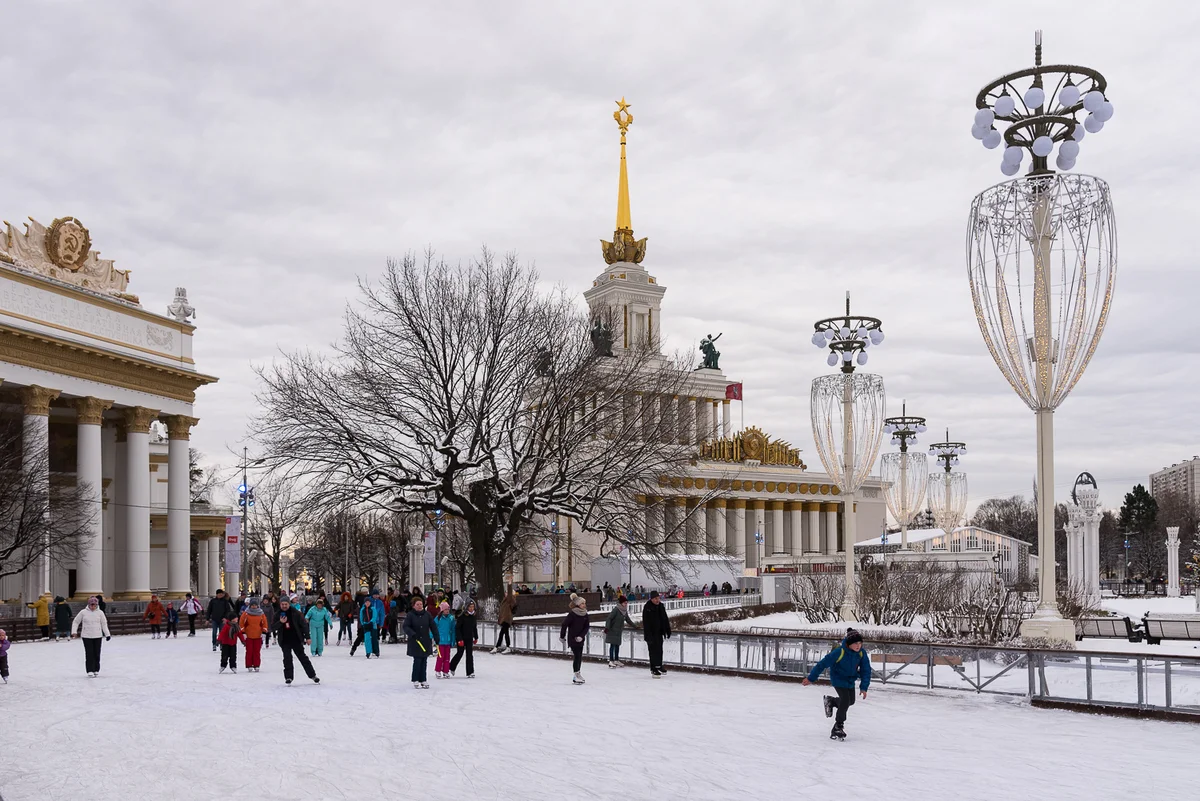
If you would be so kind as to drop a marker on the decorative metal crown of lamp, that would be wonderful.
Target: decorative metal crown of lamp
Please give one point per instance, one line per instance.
(847, 416)
(947, 490)
(905, 473)
(1042, 262)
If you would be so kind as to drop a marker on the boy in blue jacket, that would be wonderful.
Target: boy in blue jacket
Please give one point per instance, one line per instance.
(846, 664)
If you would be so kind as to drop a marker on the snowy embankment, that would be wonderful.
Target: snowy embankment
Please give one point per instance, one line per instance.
(160, 723)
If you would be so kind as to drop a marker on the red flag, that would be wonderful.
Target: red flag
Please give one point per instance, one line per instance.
(733, 391)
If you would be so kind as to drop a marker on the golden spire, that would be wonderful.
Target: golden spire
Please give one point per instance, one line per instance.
(623, 247)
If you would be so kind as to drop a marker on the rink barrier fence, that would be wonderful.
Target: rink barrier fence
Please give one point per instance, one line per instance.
(696, 602)
(1162, 686)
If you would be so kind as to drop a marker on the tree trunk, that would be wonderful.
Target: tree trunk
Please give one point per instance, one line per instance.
(489, 565)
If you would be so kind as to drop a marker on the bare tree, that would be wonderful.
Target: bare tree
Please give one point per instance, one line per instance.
(274, 527)
(38, 518)
(470, 390)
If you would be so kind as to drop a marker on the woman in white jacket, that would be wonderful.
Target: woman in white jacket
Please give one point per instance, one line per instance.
(92, 626)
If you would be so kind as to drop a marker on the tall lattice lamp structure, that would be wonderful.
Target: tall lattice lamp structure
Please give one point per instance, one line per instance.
(905, 473)
(847, 417)
(948, 490)
(1042, 262)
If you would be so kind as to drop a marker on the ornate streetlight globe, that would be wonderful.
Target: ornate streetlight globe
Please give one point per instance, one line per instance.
(1042, 263)
(904, 474)
(847, 417)
(947, 490)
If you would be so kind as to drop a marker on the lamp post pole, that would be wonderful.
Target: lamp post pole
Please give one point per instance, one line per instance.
(906, 494)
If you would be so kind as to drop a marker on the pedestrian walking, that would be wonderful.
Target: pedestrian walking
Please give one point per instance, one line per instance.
(655, 627)
(443, 635)
(417, 626)
(345, 616)
(191, 607)
(5, 643)
(62, 619)
(91, 626)
(846, 664)
(319, 619)
(153, 615)
(508, 610)
(270, 607)
(291, 633)
(172, 620)
(42, 607)
(574, 633)
(614, 630)
(255, 627)
(466, 633)
(218, 610)
(227, 638)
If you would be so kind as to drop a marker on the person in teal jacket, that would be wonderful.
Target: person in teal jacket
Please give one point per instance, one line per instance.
(318, 619)
(846, 664)
(369, 626)
(443, 634)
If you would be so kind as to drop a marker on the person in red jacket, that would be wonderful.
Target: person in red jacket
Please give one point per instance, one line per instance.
(154, 616)
(228, 640)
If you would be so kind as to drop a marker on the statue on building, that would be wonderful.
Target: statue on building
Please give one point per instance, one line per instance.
(711, 354)
(543, 363)
(602, 339)
(180, 309)
(63, 252)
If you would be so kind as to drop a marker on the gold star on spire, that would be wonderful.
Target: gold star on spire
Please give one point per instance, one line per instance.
(623, 247)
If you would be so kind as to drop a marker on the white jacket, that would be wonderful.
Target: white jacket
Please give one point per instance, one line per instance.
(191, 607)
(90, 624)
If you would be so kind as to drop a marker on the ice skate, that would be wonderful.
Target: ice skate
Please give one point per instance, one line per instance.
(222, 670)
(287, 681)
(837, 733)
(233, 670)
(416, 685)
(830, 703)
(506, 649)
(655, 674)
(612, 664)
(577, 679)
(316, 679)
(424, 685)
(618, 663)
(495, 650)
(470, 675)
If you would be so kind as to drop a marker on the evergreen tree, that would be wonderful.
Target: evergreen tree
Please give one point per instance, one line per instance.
(1139, 514)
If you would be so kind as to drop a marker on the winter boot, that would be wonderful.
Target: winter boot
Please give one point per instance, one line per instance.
(577, 679)
(830, 703)
(838, 733)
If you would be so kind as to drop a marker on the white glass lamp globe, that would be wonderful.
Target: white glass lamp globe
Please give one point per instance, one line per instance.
(1093, 100)
(1063, 163)
(978, 132)
(1093, 124)
(1034, 97)
(1069, 149)
(1078, 133)
(828, 334)
(889, 428)
(1042, 146)
(921, 428)
(1005, 105)
(1013, 154)
(832, 360)
(984, 117)
(992, 139)
(1009, 168)
(876, 336)
(1068, 95)
(845, 332)
(818, 339)
(1104, 114)
(862, 358)
(847, 356)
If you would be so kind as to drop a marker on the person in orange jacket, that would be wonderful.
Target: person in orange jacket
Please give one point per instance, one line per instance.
(154, 616)
(254, 625)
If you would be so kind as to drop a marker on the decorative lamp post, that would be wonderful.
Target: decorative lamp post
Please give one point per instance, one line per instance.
(904, 474)
(947, 490)
(1042, 261)
(847, 418)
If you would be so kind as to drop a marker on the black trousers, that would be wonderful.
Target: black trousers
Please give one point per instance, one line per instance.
(295, 648)
(229, 656)
(45, 631)
(654, 646)
(91, 653)
(4, 666)
(502, 637)
(155, 628)
(172, 628)
(344, 627)
(576, 656)
(358, 639)
(845, 700)
(467, 648)
(191, 625)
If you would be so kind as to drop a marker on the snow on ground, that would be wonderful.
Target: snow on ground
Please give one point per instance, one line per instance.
(161, 723)
(1134, 608)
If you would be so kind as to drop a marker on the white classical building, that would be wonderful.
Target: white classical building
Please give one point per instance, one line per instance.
(106, 389)
(769, 510)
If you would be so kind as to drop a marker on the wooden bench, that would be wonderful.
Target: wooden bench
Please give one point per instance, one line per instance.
(1115, 628)
(1183, 627)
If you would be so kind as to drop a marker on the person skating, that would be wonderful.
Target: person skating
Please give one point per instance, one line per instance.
(380, 620)
(846, 664)
(62, 619)
(5, 643)
(362, 598)
(227, 638)
(508, 609)
(154, 616)
(345, 616)
(191, 607)
(319, 621)
(466, 632)
(655, 627)
(291, 634)
(574, 633)
(91, 626)
(254, 626)
(614, 630)
(171, 618)
(42, 607)
(219, 609)
(417, 626)
(443, 635)
(368, 630)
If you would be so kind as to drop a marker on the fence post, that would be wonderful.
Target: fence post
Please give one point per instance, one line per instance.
(1032, 678)
(777, 655)
(1141, 672)
(1167, 680)
(738, 665)
(1088, 670)
(929, 668)
(682, 637)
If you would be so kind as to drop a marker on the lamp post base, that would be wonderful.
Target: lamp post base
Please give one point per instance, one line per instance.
(848, 612)
(1048, 628)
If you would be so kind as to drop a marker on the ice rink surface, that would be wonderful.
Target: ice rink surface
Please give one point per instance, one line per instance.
(160, 723)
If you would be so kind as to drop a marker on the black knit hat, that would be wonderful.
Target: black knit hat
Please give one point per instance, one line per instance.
(852, 636)
(653, 593)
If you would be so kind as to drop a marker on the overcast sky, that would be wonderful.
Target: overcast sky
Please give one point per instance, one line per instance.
(266, 155)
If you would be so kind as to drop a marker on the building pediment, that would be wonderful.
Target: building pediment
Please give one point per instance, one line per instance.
(63, 251)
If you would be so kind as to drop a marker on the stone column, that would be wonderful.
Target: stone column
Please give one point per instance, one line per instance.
(673, 509)
(687, 420)
(699, 413)
(1173, 561)
(650, 413)
(203, 587)
(831, 527)
(179, 504)
(735, 535)
(758, 529)
(1074, 547)
(813, 511)
(716, 420)
(35, 462)
(416, 561)
(778, 541)
(725, 432)
(89, 472)
(120, 499)
(693, 543)
(654, 519)
(795, 539)
(215, 545)
(714, 539)
(630, 408)
(137, 476)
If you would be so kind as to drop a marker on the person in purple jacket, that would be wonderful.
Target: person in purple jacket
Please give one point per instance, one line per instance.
(575, 631)
(4, 644)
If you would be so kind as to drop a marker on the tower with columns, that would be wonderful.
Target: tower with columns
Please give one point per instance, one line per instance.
(105, 389)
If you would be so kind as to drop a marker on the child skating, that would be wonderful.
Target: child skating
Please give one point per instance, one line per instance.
(228, 640)
(846, 664)
(443, 635)
(319, 621)
(4, 646)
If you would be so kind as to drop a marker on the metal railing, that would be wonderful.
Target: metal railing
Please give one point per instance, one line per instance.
(749, 599)
(1088, 679)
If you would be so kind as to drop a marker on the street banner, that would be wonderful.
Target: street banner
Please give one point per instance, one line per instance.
(430, 553)
(233, 544)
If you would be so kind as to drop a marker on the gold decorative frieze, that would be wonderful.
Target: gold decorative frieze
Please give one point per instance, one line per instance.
(752, 444)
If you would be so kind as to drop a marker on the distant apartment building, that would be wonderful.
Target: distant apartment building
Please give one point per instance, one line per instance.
(1180, 478)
